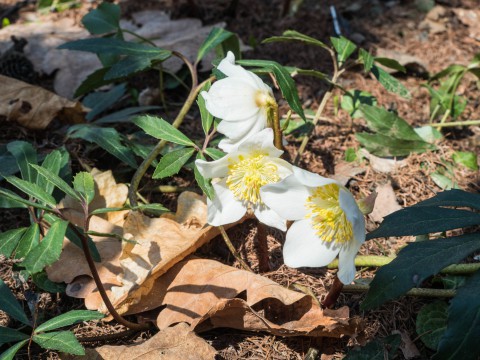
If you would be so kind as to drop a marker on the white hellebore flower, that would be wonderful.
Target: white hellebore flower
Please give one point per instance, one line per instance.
(238, 178)
(328, 221)
(241, 100)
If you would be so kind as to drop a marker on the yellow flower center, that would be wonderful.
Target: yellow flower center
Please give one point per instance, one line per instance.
(249, 174)
(328, 218)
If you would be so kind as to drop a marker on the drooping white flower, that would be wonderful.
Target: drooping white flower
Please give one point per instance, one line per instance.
(238, 178)
(241, 100)
(328, 221)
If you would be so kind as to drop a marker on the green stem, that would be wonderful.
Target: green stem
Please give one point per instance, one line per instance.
(419, 292)
(457, 123)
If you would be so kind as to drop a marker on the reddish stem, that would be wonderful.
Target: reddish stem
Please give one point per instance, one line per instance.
(333, 294)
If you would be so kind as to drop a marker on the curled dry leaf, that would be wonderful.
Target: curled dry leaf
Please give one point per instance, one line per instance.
(207, 294)
(386, 202)
(173, 343)
(344, 171)
(34, 107)
(383, 165)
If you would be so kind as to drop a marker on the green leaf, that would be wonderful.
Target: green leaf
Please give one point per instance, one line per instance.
(207, 118)
(391, 63)
(41, 280)
(11, 200)
(450, 70)
(10, 353)
(156, 209)
(443, 180)
(214, 38)
(285, 82)
(53, 163)
(56, 181)
(32, 190)
(108, 139)
(171, 163)
(460, 340)
(428, 133)
(352, 100)
(10, 305)
(68, 318)
(350, 155)
(383, 145)
(9, 165)
(367, 60)
(130, 65)
(378, 349)
(431, 323)
(457, 198)
(93, 81)
(215, 154)
(160, 129)
(124, 115)
(25, 154)
(343, 47)
(74, 238)
(64, 341)
(452, 281)
(83, 183)
(9, 240)
(468, 159)
(49, 249)
(29, 240)
(390, 83)
(104, 19)
(232, 44)
(416, 262)
(205, 184)
(292, 35)
(9, 335)
(100, 101)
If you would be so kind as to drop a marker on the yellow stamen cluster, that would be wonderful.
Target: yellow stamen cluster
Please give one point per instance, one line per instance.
(248, 175)
(328, 218)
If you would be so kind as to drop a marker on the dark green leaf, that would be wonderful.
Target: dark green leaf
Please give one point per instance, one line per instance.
(10, 305)
(29, 240)
(204, 184)
(32, 190)
(49, 249)
(101, 100)
(215, 154)
(9, 240)
(378, 349)
(68, 318)
(383, 145)
(460, 340)
(416, 262)
(314, 73)
(390, 83)
(93, 81)
(452, 282)
(457, 198)
(53, 163)
(25, 154)
(468, 159)
(160, 129)
(431, 323)
(352, 100)
(41, 280)
(57, 181)
(367, 60)
(64, 341)
(214, 38)
(104, 19)
(207, 118)
(343, 47)
(130, 65)
(10, 353)
(285, 82)
(124, 115)
(84, 184)
(230, 44)
(8, 335)
(171, 163)
(8, 199)
(291, 35)
(391, 63)
(9, 165)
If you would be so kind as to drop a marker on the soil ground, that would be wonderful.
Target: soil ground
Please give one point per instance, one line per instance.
(374, 25)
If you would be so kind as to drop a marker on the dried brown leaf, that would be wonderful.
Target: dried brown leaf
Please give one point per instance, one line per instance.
(344, 171)
(34, 107)
(385, 203)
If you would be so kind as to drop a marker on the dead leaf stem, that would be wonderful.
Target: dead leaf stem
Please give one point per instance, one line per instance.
(232, 249)
(418, 292)
(333, 293)
(262, 248)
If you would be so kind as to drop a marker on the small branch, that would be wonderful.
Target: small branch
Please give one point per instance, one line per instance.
(456, 123)
(333, 293)
(277, 130)
(232, 249)
(262, 248)
(418, 292)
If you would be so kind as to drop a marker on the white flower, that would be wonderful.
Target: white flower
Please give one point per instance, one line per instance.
(241, 174)
(241, 100)
(327, 221)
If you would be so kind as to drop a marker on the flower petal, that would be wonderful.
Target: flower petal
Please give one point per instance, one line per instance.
(346, 262)
(224, 208)
(287, 198)
(353, 213)
(310, 179)
(262, 140)
(270, 218)
(213, 169)
(304, 248)
(228, 67)
(239, 132)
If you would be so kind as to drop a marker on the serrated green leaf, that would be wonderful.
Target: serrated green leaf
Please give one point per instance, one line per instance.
(285, 82)
(431, 323)
(383, 145)
(108, 139)
(9, 240)
(161, 129)
(24, 154)
(171, 163)
(158, 209)
(43, 282)
(104, 19)
(367, 60)
(391, 64)
(460, 340)
(64, 341)
(10, 305)
(456, 198)
(215, 154)
(343, 47)
(292, 35)
(49, 249)
(56, 181)
(11, 200)
(68, 318)
(205, 184)
(468, 159)
(390, 83)
(214, 38)
(84, 184)
(378, 349)
(29, 240)
(416, 262)
(207, 118)
(8, 335)
(53, 163)
(10, 353)
(32, 190)
(352, 100)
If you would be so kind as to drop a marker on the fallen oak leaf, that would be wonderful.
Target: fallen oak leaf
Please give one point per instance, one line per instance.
(34, 107)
